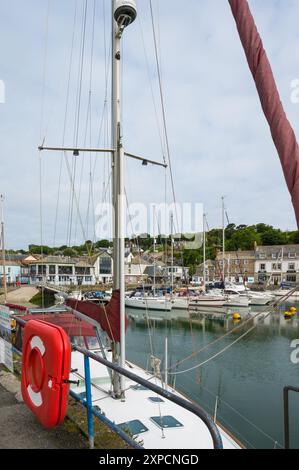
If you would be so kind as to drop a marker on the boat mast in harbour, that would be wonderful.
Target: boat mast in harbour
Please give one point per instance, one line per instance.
(223, 240)
(4, 284)
(204, 253)
(123, 15)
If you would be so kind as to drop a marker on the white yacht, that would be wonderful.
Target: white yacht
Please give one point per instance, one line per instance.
(180, 303)
(208, 300)
(154, 422)
(235, 299)
(259, 298)
(149, 303)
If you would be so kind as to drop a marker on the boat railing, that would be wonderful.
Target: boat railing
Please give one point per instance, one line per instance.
(94, 411)
(286, 393)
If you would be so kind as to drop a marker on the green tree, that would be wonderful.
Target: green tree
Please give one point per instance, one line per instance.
(70, 252)
(103, 244)
(243, 239)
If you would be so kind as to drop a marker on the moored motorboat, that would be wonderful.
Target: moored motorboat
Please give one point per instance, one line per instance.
(149, 303)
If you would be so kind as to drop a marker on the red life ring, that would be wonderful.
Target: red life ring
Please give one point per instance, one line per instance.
(46, 364)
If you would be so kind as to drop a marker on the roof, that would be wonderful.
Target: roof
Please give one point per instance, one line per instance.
(78, 262)
(246, 254)
(209, 264)
(154, 271)
(103, 252)
(277, 250)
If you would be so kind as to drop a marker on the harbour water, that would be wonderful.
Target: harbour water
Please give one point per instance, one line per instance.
(248, 378)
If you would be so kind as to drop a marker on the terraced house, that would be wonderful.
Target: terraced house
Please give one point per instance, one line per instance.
(277, 264)
(239, 266)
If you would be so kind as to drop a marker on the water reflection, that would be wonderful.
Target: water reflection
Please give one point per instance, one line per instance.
(248, 378)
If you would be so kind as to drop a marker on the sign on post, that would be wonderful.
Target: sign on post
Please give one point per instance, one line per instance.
(6, 356)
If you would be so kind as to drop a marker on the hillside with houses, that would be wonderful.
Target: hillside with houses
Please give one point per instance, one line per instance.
(257, 254)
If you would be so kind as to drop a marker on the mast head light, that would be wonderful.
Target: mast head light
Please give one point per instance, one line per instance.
(125, 12)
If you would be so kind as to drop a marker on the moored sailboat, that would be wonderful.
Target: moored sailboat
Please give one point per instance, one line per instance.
(158, 423)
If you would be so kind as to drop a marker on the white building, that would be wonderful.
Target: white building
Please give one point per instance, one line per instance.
(135, 273)
(178, 273)
(277, 264)
(62, 271)
(103, 267)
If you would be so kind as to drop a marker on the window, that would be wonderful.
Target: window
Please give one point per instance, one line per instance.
(82, 270)
(262, 256)
(33, 270)
(246, 262)
(65, 270)
(274, 266)
(166, 422)
(263, 267)
(105, 265)
(292, 255)
(134, 428)
(156, 400)
(52, 269)
(291, 279)
(292, 267)
(64, 279)
(42, 269)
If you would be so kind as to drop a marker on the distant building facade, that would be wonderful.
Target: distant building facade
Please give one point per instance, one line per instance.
(277, 264)
(272, 265)
(211, 272)
(62, 271)
(103, 267)
(239, 266)
(12, 272)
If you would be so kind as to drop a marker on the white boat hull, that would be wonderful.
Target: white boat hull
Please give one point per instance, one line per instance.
(180, 303)
(236, 301)
(207, 301)
(259, 300)
(149, 304)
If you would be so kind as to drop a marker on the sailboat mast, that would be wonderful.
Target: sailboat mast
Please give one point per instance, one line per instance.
(123, 14)
(223, 239)
(154, 233)
(204, 252)
(172, 253)
(3, 248)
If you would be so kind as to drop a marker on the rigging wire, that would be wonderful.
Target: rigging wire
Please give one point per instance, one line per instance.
(65, 121)
(163, 109)
(265, 314)
(78, 112)
(88, 125)
(152, 90)
(265, 434)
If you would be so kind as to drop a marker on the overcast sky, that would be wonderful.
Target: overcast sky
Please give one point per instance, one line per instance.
(219, 140)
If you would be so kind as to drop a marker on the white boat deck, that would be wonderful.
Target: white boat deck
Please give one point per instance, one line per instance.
(190, 433)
